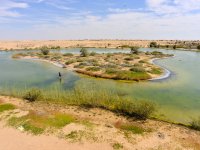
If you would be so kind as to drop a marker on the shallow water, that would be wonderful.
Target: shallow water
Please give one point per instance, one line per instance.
(178, 97)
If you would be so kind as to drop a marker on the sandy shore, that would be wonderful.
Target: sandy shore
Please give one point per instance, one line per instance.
(161, 135)
(166, 74)
(17, 45)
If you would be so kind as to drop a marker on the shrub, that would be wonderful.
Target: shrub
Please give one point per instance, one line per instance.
(137, 69)
(132, 128)
(153, 45)
(134, 50)
(84, 52)
(55, 47)
(136, 57)
(148, 53)
(70, 62)
(93, 53)
(44, 50)
(138, 65)
(81, 59)
(68, 54)
(130, 75)
(79, 66)
(109, 55)
(111, 71)
(144, 109)
(18, 55)
(155, 71)
(33, 95)
(142, 61)
(93, 69)
(128, 59)
(198, 47)
(156, 53)
(117, 146)
(195, 124)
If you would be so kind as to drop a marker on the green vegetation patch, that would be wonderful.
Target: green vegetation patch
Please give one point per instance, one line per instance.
(68, 54)
(130, 75)
(195, 124)
(25, 125)
(93, 69)
(156, 71)
(37, 124)
(137, 69)
(111, 71)
(18, 55)
(117, 146)
(133, 129)
(6, 107)
(59, 120)
(70, 62)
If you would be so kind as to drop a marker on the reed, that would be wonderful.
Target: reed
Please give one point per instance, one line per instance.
(90, 98)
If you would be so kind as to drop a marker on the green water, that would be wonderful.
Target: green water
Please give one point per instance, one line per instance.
(178, 97)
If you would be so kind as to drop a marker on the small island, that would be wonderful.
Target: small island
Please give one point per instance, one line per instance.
(135, 66)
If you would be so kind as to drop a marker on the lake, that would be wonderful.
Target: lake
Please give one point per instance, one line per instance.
(177, 97)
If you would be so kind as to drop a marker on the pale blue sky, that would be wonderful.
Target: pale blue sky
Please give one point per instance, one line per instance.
(99, 19)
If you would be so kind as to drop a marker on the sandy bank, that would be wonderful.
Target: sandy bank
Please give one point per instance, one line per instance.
(161, 135)
(166, 74)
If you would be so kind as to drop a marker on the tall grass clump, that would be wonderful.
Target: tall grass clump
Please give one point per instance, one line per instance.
(91, 98)
(84, 52)
(32, 95)
(195, 124)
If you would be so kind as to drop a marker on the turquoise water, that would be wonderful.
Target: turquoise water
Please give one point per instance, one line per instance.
(178, 97)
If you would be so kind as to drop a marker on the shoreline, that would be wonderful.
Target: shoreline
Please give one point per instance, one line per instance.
(165, 75)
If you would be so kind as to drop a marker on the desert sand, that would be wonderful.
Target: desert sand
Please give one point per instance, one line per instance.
(161, 135)
(27, 44)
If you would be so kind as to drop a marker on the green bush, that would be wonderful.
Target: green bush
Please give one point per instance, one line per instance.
(84, 52)
(33, 95)
(137, 69)
(5, 107)
(138, 65)
(148, 53)
(70, 62)
(153, 45)
(142, 61)
(93, 69)
(198, 47)
(93, 53)
(195, 124)
(44, 50)
(132, 128)
(130, 75)
(109, 55)
(129, 59)
(156, 53)
(155, 71)
(134, 50)
(68, 54)
(111, 71)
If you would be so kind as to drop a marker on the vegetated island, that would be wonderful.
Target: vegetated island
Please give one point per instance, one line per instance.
(133, 66)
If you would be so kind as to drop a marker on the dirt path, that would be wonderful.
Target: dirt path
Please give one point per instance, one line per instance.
(103, 135)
